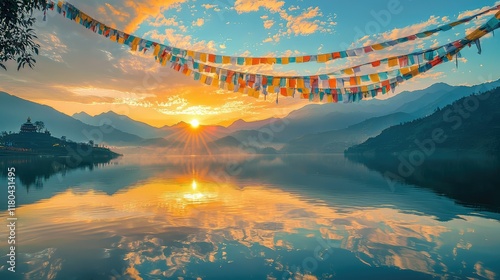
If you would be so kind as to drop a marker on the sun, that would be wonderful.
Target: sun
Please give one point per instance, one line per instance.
(195, 123)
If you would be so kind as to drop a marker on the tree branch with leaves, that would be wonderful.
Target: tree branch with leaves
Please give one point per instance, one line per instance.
(17, 37)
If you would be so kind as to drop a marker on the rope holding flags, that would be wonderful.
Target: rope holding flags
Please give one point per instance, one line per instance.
(332, 86)
(73, 13)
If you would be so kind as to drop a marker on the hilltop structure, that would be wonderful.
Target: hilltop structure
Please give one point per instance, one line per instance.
(28, 127)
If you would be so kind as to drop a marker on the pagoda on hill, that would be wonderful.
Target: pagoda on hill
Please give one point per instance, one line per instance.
(28, 127)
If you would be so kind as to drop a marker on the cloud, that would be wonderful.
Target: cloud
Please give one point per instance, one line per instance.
(268, 23)
(161, 20)
(117, 95)
(469, 13)
(182, 41)
(246, 6)
(410, 29)
(209, 6)
(301, 24)
(199, 22)
(204, 110)
(52, 48)
(133, 13)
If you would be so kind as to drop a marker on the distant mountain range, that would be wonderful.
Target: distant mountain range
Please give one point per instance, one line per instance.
(14, 111)
(381, 115)
(123, 123)
(468, 125)
(336, 141)
(315, 128)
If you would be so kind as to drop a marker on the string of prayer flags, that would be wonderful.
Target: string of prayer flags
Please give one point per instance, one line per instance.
(327, 86)
(136, 43)
(309, 87)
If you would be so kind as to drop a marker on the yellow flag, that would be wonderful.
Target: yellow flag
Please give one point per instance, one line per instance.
(203, 78)
(349, 71)
(256, 94)
(251, 92)
(276, 81)
(157, 50)
(300, 83)
(405, 70)
(393, 62)
(271, 60)
(374, 78)
(203, 57)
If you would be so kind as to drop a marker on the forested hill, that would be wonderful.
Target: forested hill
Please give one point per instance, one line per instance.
(470, 124)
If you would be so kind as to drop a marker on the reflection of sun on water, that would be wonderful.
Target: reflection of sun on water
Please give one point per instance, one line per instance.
(198, 196)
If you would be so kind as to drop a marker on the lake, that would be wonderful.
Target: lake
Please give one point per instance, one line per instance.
(148, 216)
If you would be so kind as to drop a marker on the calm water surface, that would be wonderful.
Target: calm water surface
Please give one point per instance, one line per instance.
(273, 217)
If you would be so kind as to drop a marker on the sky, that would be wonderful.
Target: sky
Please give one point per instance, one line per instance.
(78, 70)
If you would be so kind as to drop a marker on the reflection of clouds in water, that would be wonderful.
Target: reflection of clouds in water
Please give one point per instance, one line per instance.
(483, 272)
(39, 265)
(164, 232)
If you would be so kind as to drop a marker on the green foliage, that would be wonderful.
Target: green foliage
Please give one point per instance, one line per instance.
(474, 130)
(39, 126)
(17, 37)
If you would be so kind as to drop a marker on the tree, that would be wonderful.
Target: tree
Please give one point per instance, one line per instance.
(39, 126)
(17, 37)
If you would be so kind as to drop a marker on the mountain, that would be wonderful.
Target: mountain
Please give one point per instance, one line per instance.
(302, 122)
(336, 141)
(469, 125)
(85, 118)
(122, 123)
(14, 111)
(244, 125)
(440, 95)
(315, 119)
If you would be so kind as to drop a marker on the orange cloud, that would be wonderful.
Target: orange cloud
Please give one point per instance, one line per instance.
(246, 6)
(182, 41)
(199, 22)
(301, 25)
(161, 20)
(139, 11)
(268, 23)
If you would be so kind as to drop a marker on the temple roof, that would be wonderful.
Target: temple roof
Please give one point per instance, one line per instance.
(28, 126)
